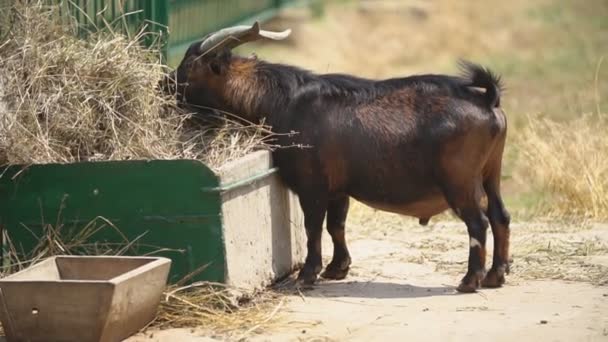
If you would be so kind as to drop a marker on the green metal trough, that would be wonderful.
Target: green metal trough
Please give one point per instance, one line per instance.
(241, 221)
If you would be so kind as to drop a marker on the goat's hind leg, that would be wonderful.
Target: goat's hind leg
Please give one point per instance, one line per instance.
(499, 219)
(477, 225)
(465, 200)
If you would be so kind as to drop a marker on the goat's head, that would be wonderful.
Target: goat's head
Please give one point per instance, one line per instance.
(202, 76)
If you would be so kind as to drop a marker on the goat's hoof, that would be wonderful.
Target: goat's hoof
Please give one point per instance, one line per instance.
(306, 277)
(466, 288)
(495, 278)
(335, 272)
(423, 221)
(337, 268)
(471, 282)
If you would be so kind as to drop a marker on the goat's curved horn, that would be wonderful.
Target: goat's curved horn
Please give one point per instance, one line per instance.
(232, 37)
(274, 35)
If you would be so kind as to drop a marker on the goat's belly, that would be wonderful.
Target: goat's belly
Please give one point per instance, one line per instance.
(423, 208)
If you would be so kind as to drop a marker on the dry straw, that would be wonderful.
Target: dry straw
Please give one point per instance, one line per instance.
(218, 309)
(567, 161)
(568, 257)
(70, 99)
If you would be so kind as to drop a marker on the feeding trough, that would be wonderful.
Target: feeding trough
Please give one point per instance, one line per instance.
(82, 298)
(239, 223)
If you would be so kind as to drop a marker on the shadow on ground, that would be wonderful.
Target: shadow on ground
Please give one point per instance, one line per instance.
(366, 289)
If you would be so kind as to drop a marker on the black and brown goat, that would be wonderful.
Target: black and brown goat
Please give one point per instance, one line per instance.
(415, 146)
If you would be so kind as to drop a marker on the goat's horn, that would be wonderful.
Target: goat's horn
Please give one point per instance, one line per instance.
(275, 35)
(232, 37)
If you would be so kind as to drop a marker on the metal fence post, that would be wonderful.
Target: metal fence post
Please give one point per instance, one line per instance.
(161, 16)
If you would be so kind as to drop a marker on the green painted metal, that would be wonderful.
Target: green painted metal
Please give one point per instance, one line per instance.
(162, 200)
(180, 22)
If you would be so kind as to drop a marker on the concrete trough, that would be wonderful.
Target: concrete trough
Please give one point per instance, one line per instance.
(82, 298)
(263, 225)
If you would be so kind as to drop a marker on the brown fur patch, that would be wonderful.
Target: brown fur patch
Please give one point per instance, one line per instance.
(242, 90)
(373, 115)
(482, 255)
(437, 104)
(334, 167)
(338, 236)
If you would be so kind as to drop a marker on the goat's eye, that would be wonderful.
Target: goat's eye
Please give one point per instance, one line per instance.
(215, 68)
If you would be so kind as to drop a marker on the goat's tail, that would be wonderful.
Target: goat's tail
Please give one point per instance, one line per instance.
(478, 76)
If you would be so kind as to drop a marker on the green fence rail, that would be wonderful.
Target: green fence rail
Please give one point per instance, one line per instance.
(127, 16)
(184, 20)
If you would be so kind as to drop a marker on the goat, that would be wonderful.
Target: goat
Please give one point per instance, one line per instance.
(415, 145)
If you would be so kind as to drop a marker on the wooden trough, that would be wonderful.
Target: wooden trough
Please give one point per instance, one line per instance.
(82, 298)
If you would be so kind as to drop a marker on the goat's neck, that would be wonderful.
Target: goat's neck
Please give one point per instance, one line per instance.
(259, 91)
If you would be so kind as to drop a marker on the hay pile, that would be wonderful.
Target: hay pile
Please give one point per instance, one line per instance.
(217, 308)
(71, 99)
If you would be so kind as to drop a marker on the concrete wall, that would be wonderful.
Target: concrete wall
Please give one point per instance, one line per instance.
(263, 224)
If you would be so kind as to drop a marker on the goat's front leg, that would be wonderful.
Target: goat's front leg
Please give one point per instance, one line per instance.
(337, 209)
(314, 206)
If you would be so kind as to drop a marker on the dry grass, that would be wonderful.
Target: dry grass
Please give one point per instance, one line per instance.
(57, 239)
(569, 162)
(70, 99)
(217, 309)
(225, 139)
(542, 256)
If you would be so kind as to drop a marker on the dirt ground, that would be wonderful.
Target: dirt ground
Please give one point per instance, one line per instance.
(402, 281)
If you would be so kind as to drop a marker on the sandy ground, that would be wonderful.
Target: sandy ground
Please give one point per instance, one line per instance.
(402, 283)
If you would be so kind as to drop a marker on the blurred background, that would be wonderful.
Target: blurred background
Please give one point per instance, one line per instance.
(549, 53)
